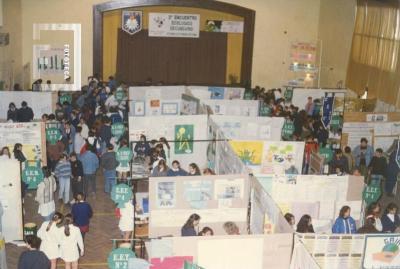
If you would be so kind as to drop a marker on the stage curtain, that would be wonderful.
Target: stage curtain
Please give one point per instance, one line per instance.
(374, 60)
(172, 60)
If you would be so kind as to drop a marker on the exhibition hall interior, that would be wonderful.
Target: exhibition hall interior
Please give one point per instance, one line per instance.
(199, 134)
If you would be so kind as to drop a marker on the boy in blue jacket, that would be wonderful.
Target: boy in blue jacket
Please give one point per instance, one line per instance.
(344, 224)
(82, 212)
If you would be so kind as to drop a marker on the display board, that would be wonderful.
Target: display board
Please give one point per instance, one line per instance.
(30, 134)
(40, 102)
(250, 128)
(186, 135)
(301, 258)
(241, 251)
(233, 107)
(156, 92)
(265, 215)
(335, 251)
(300, 96)
(319, 196)
(220, 93)
(10, 197)
(217, 199)
(381, 251)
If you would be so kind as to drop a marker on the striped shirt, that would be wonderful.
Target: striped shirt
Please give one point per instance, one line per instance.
(63, 169)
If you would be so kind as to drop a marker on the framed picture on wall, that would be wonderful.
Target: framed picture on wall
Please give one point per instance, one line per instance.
(169, 109)
(138, 108)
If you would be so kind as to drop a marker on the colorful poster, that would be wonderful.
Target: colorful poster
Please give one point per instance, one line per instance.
(381, 251)
(174, 25)
(184, 135)
(281, 157)
(198, 193)
(216, 92)
(166, 194)
(131, 21)
(250, 152)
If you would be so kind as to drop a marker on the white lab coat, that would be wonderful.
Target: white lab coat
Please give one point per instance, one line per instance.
(50, 240)
(127, 215)
(69, 244)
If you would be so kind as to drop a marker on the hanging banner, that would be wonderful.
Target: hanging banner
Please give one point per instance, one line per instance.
(131, 21)
(327, 110)
(121, 194)
(174, 25)
(32, 175)
(119, 258)
(382, 251)
(372, 192)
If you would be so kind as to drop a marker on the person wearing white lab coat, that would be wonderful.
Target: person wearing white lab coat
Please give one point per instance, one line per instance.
(49, 233)
(126, 219)
(71, 243)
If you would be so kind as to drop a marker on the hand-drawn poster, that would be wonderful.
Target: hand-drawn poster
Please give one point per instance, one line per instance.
(166, 195)
(184, 139)
(250, 152)
(229, 189)
(197, 193)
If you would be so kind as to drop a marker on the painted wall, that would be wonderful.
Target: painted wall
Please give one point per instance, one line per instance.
(277, 24)
(336, 26)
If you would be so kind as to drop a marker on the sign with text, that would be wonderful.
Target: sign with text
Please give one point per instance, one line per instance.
(121, 194)
(174, 25)
(119, 257)
(382, 251)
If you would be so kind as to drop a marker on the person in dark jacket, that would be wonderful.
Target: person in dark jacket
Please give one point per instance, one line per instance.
(142, 148)
(176, 170)
(77, 175)
(12, 113)
(33, 258)
(391, 174)
(378, 164)
(391, 220)
(18, 154)
(105, 131)
(25, 113)
(81, 212)
(339, 161)
(189, 228)
(109, 163)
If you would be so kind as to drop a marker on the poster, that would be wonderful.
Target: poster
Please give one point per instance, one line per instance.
(169, 108)
(377, 117)
(229, 189)
(224, 26)
(281, 157)
(29, 134)
(198, 193)
(184, 139)
(139, 108)
(250, 152)
(190, 105)
(381, 251)
(217, 92)
(174, 25)
(166, 194)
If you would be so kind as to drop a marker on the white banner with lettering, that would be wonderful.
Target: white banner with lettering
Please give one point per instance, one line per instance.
(174, 25)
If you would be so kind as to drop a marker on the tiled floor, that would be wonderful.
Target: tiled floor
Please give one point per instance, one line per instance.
(103, 228)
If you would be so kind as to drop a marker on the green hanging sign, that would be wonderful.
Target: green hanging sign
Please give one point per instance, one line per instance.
(53, 135)
(119, 94)
(336, 122)
(265, 110)
(119, 257)
(124, 156)
(372, 192)
(32, 175)
(65, 98)
(117, 129)
(327, 153)
(287, 129)
(189, 265)
(248, 95)
(288, 94)
(121, 194)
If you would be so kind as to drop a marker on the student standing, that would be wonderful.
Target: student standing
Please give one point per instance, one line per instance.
(79, 141)
(176, 170)
(344, 224)
(63, 173)
(161, 170)
(109, 165)
(390, 220)
(142, 148)
(305, 225)
(291, 220)
(77, 174)
(378, 165)
(12, 113)
(45, 194)
(33, 258)
(374, 211)
(189, 228)
(126, 220)
(49, 234)
(71, 243)
(18, 154)
(363, 155)
(90, 164)
(82, 212)
(25, 113)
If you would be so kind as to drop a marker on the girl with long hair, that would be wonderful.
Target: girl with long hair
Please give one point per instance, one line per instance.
(161, 170)
(374, 211)
(71, 243)
(194, 170)
(305, 225)
(188, 228)
(49, 234)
